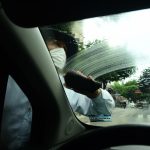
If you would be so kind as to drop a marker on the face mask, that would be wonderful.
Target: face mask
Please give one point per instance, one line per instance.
(59, 57)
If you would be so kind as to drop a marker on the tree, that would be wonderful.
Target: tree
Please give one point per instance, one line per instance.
(127, 90)
(132, 82)
(116, 75)
(117, 87)
(144, 81)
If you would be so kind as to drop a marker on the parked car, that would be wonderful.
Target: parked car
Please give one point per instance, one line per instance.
(142, 104)
(132, 104)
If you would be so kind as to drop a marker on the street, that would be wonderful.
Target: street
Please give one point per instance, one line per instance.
(123, 116)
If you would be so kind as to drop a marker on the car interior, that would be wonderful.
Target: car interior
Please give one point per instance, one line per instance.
(26, 63)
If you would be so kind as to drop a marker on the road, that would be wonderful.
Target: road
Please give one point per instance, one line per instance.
(123, 116)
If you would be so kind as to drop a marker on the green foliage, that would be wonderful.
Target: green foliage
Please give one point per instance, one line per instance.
(127, 90)
(144, 81)
(117, 75)
(117, 87)
(145, 96)
(132, 82)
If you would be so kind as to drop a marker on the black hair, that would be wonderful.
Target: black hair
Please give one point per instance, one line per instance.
(68, 40)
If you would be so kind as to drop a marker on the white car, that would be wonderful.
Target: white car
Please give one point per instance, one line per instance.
(132, 104)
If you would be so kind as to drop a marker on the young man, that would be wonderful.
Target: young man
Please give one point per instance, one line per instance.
(98, 102)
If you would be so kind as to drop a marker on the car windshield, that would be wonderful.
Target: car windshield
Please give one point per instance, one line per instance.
(114, 51)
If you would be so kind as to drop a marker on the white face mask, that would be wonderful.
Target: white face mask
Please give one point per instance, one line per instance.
(59, 57)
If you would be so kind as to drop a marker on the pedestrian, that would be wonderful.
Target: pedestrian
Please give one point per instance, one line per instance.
(59, 45)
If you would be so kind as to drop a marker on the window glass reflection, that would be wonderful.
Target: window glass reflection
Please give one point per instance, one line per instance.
(114, 50)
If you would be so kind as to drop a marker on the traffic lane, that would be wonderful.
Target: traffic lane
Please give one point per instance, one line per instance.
(123, 116)
(119, 116)
(142, 116)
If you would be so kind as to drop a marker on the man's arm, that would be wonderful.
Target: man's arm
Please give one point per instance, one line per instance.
(94, 102)
(80, 83)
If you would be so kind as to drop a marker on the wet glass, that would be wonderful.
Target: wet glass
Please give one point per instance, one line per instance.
(115, 50)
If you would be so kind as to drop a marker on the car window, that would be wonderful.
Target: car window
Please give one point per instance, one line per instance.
(114, 51)
(16, 118)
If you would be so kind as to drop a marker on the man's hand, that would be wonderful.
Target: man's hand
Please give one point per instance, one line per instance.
(82, 84)
(94, 94)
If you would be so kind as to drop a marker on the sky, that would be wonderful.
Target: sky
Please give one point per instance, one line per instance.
(129, 27)
(131, 30)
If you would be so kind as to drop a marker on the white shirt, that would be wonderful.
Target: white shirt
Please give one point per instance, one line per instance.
(17, 115)
(102, 104)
